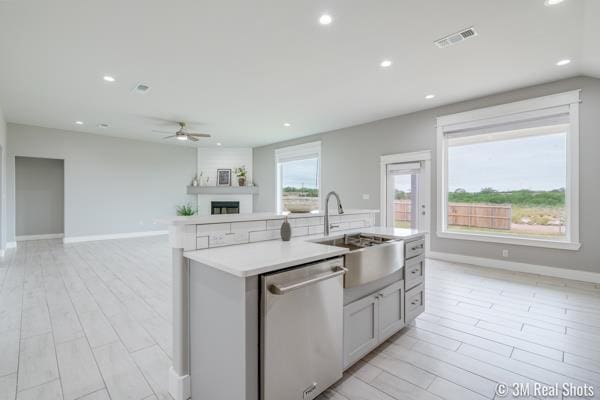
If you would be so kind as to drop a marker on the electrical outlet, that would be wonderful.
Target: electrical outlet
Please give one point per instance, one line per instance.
(366, 196)
(505, 253)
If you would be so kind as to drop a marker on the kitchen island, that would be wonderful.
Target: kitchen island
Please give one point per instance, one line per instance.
(217, 265)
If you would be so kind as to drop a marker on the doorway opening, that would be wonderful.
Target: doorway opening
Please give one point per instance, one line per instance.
(405, 190)
(39, 198)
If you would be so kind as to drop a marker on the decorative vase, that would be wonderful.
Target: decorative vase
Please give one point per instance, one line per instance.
(286, 230)
(242, 181)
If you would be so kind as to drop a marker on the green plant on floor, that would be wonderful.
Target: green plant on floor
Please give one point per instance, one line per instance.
(185, 210)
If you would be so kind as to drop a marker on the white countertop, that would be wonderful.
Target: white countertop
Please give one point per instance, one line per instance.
(251, 259)
(215, 219)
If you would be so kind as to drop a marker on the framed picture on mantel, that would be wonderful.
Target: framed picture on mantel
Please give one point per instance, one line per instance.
(223, 177)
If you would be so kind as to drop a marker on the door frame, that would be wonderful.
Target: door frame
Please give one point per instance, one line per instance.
(425, 185)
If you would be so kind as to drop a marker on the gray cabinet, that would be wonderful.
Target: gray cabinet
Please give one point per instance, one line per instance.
(371, 320)
(361, 328)
(414, 271)
(414, 278)
(391, 310)
(415, 302)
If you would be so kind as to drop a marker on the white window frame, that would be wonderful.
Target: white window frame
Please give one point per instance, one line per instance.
(507, 113)
(298, 152)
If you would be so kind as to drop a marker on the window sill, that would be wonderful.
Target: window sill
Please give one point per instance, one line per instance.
(551, 244)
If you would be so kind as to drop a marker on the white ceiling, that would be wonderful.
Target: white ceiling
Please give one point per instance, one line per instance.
(240, 68)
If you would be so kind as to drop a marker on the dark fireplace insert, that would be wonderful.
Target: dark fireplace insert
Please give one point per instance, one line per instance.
(224, 207)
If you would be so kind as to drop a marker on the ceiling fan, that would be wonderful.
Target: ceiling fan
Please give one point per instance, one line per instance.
(184, 134)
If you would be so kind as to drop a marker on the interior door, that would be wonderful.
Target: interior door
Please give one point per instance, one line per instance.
(406, 206)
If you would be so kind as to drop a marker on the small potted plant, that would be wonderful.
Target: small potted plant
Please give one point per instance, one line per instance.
(241, 175)
(185, 210)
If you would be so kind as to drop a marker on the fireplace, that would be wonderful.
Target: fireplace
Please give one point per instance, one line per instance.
(224, 207)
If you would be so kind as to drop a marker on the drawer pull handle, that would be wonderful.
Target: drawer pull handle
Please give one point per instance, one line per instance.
(414, 271)
(414, 302)
(417, 247)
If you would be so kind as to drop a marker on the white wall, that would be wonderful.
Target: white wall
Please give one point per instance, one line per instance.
(112, 185)
(212, 158)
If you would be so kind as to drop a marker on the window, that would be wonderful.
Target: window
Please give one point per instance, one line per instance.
(299, 177)
(509, 173)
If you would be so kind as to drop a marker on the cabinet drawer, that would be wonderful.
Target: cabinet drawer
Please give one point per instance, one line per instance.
(414, 271)
(415, 302)
(414, 248)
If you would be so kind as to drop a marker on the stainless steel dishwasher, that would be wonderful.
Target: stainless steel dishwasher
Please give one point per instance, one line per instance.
(302, 325)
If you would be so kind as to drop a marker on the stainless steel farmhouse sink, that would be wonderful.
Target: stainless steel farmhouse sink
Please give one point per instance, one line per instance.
(371, 257)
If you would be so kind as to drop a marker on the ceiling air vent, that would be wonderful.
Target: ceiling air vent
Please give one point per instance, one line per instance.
(456, 38)
(141, 88)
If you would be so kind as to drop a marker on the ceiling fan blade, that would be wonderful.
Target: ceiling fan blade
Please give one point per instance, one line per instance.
(193, 139)
(198, 134)
(157, 131)
(169, 137)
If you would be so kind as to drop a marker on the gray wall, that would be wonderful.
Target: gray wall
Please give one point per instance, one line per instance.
(3, 213)
(350, 161)
(112, 185)
(39, 195)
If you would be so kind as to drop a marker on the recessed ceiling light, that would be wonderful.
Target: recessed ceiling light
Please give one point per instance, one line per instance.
(325, 19)
(108, 78)
(385, 63)
(563, 62)
(182, 137)
(79, 122)
(103, 126)
(430, 96)
(552, 2)
(287, 124)
(218, 143)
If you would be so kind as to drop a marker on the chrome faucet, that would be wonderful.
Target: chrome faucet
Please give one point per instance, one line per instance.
(340, 211)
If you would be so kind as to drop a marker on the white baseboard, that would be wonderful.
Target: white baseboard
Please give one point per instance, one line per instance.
(40, 237)
(111, 236)
(179, 386)
(576, 275)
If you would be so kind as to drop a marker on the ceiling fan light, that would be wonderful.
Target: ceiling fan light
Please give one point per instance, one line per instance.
(182, 137)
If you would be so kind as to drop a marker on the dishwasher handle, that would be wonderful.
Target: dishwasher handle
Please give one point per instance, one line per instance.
(280, 290)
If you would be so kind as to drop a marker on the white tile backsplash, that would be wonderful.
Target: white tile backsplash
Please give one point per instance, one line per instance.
(227, 239)
(202, 242)
(341, 226)
(299, 231)
(226, 234)
(314, 230)
(265, 235)
(357, 224)
(274, 223)
(248, 226)
(202, 230)
(316, 221)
